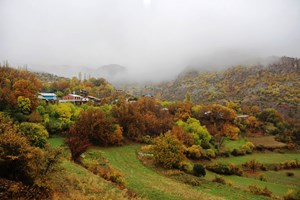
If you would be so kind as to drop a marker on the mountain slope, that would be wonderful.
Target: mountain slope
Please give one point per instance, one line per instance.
(276, 85)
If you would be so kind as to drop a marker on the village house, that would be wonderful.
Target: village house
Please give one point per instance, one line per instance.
(94, 99)
(73, 98)
(148, 95)
(48, 97)
(242, 116)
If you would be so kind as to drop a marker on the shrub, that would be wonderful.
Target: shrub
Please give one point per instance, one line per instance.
(289, 173)
(192, 182)
(290, 164)
(219, 179)
(252, 165)
(248, 147)
(199, 170)
(147, 148)
(262, 178)
(243, 150)
(221, 168)
(235, 169)
(108, 173)
(259, 190)
(168, 151)
(35, 133)
(224, 154)
(194, 152)
(238, 152)
(147, 139)
(210, 153)
(291, 195)
(186, 166)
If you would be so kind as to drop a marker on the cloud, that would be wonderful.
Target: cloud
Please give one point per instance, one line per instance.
(154, 39)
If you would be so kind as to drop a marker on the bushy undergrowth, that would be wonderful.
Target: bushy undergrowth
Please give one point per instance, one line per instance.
(100, 166)
(199, 170)
(225, 169)
(260, 190)
(253, 165)
(220, 179)
(292, 195)
(243, 150)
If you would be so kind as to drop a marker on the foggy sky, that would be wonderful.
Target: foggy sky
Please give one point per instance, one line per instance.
(153, 39)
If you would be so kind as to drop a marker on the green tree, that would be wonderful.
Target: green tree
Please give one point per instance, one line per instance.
(35, 133)
(200, 133)
(24, 104)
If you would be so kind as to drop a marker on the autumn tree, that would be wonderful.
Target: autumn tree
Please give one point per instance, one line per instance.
(168, 151)
(230, 131)
(15, 83)
(273, 121)
(182, 135)
(143, 117)
(77, 144)
(35, 133)
(22, 162)
(100, 128)
(215, 117)
(200, 134)
(181, 110)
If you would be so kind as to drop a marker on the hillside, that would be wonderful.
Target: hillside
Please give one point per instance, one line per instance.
(275, 85)
(48, 77)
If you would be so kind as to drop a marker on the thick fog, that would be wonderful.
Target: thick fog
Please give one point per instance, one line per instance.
(153, 39)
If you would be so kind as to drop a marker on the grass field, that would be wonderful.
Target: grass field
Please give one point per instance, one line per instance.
(279, 189)
(229, 145)
(56, 141)
(280, 177)
(148, 183)
(265, 158)
(266, 141)
(79, 183)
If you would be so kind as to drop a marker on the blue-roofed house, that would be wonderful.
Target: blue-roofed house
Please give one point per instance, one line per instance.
(148, 95)
(47, 96)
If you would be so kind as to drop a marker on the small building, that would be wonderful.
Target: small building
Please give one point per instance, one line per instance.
(94, 99)
(148, 95)
(242, 116)
(47, 96)
(73, 98)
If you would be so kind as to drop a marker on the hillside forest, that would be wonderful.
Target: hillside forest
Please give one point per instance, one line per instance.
(230, 134)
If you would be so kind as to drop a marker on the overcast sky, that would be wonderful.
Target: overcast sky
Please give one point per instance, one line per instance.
(154, 39)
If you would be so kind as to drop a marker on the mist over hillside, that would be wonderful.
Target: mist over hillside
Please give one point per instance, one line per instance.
(155, 40)
(275, 84)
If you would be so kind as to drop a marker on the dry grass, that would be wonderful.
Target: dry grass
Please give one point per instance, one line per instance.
(266, 141)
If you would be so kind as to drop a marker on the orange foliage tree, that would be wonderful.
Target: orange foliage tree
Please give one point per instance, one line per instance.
(231, 131)
(15, 83)
(143, 117)
(100, 128)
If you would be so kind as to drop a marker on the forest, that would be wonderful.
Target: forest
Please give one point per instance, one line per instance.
(199, 149)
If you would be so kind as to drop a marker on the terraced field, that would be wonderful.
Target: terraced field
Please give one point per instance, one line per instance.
(265, 158)
(151, 185)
